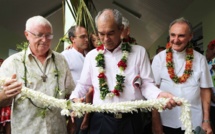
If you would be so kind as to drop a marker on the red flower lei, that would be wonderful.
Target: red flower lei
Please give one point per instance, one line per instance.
(120, 78)
(170, 65)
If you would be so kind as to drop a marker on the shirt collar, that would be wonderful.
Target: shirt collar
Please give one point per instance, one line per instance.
(116, 49)
(30, 54)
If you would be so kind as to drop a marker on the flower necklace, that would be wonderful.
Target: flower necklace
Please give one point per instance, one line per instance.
(120, 78)
(42, 110)
(170, 65)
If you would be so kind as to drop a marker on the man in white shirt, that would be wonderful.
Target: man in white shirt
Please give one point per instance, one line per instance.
(103, 67)
(183, 72)
(75, 58)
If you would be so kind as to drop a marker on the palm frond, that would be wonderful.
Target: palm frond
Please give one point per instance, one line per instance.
(80, 10)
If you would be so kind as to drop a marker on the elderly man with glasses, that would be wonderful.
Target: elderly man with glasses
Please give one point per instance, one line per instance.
(41, 69)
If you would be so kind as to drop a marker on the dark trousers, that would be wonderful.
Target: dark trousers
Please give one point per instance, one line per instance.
(169, 130)
(147, 122)
(101, 123)
(212, 118)
(78, 122)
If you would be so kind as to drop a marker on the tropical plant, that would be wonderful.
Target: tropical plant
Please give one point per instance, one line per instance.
(81, 11)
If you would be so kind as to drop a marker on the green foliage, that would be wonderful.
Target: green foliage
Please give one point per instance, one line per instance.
(80, 10)
(126, 47)
(22, 46)
(100, 60)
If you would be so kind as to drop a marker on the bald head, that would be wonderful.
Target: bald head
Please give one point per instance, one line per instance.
(109, 15)
(109, 25)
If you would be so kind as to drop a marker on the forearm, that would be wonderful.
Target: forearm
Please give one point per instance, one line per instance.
(3, 100)
(206, 100)
(156, 122)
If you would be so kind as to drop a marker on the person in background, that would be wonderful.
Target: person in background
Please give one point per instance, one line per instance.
(5, 116)
(125, 35)
(183, 72)
(94, 41)
(159, 49)
(109, 25)
(5, 119)
(1, 61)
(211, 63)
(210, 52)
(40, 69)
(75, 58)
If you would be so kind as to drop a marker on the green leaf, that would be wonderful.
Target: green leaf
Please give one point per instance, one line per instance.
(22, 46)
(126, 47)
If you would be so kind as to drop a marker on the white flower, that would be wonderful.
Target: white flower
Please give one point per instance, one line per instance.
(60, 92)
(125, 53)
(101, 51)
(101, 70)
(131, 106)
(65, 112)
(110, 95)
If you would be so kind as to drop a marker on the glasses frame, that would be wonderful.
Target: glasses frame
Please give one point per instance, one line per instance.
(48, 36)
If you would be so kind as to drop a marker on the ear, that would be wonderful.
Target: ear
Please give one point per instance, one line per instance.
(121, 28)
(191, 36)
(26, 34)
(72, 39)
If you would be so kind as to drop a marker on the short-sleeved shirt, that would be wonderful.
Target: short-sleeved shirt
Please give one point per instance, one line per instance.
(190, 90)
(25, 117)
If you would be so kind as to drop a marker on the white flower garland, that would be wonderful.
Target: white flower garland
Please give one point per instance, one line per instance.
(123, 107)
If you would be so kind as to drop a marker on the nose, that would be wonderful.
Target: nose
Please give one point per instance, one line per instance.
(106, 37)
(175, 39)
(44, 38)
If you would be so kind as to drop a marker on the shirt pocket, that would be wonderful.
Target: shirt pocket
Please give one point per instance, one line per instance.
(194, 78)
(130, 74)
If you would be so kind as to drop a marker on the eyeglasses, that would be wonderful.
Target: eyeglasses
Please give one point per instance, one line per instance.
(82, 36)
(47, 36)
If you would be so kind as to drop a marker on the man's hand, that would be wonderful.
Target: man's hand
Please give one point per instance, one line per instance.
(207, 127)
(171, 102)
(78, 100)
(12, 87)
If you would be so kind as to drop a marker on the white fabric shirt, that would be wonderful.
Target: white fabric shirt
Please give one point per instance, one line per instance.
(76, 61)
(212, 77)
(190, 90)
(24, 115)
(137, 64)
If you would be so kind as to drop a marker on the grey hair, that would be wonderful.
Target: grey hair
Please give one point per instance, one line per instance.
(182, 20)
(38, 20)
(117, 17)
(72, 31)
(125, 22)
